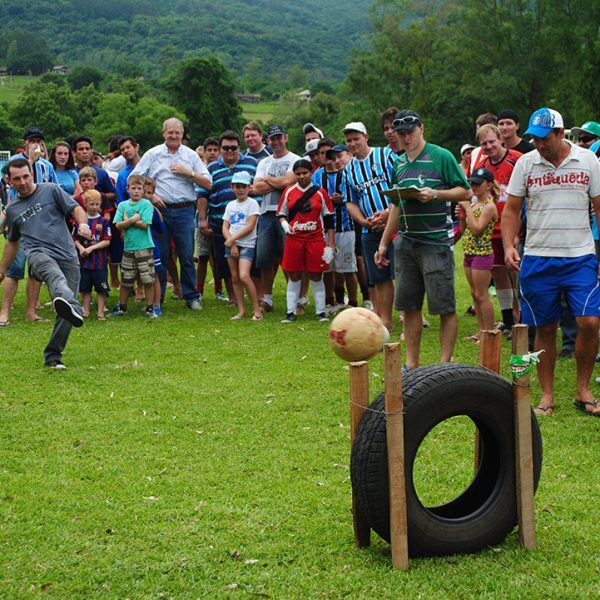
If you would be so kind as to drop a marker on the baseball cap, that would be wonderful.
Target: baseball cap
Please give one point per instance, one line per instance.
(336, 149)
(275, 130)
(543, 121)
(480, 175)
(308, 127)
(466, 147)
(590, 127)
(406, 120)
(508, 113)
(241, 177)
(33, 132)
(355, 126)
(312, 146)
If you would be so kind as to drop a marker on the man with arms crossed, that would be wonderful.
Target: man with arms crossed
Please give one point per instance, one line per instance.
(558, 179)
(37, 217)
(175, 169)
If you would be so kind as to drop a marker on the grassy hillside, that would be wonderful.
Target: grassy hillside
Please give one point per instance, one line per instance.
(12, 86)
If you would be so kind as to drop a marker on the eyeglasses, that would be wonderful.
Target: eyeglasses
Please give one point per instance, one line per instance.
(408, 120)
(229, 148)
(586, 138)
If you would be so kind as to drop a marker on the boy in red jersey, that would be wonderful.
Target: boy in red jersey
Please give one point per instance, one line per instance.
(305, 212)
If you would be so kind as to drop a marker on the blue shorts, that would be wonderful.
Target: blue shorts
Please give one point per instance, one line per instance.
(16, 269)
(370, 245)
(116, 250)
(245, 253)
(543, 278)
(96, 279)
(269, 243)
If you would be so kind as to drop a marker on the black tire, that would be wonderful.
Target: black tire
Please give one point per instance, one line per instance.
(485, 513)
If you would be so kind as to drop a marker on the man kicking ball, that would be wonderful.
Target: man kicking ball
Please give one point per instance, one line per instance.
(36, 218)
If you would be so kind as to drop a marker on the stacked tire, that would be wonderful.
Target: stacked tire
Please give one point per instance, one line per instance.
(484, 513)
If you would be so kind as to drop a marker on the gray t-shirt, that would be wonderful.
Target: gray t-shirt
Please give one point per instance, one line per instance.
(39, 222)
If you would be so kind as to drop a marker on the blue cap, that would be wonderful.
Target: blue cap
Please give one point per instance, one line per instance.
(340, 148)
(241, 177)
(543, 121)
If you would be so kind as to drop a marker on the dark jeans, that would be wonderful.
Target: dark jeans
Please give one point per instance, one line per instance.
(181, 228)
(62, 279)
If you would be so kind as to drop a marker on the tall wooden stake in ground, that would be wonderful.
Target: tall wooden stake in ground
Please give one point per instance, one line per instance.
(394, 407)
(523, 444)
(359, 401)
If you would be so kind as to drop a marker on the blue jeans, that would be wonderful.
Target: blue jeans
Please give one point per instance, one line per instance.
(62, 279)
(180, 228)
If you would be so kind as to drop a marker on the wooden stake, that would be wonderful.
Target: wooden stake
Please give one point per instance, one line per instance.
(359, 401)
(490, 350)
(523, 444)
(394, 407)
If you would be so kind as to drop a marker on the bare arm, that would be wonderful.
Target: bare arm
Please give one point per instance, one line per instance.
(202, 206)
(511, 224)
(260, 186)
(455, 194)
(354, 212)
(281, 182)
(241, 233)
(478, 224)
(390, 227)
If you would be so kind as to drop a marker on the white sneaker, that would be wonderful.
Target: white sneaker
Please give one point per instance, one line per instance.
(330, 310)
(195, 305)
(368, 305)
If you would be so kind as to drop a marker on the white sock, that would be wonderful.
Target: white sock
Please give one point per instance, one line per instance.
(505, 298)
(293, 291)
(318, 289)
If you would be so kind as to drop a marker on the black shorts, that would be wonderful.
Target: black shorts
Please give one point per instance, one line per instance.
(96, 279)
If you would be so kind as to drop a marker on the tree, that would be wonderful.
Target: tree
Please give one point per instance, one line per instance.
(81, 77)
(204, 90)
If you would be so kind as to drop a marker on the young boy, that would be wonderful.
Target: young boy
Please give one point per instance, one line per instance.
(88, 181)
(304, 211)
(93, 255)
(134, 218)
(239, 231)
(161, 249)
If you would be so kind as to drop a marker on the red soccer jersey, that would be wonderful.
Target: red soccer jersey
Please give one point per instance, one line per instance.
(502, 172)
(308, 224)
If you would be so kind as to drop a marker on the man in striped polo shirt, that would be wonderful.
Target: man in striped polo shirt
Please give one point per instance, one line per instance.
(212, 203)
(368, 175)
(559, 180)
(423, 250)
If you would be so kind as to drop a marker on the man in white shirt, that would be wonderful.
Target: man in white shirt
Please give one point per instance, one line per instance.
(175, 169)
(559, 180)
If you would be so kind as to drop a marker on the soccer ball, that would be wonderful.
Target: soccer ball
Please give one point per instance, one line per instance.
(357, 334)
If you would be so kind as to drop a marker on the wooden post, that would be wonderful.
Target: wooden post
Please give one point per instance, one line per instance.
(359, 401)
(523, 444)
(394, 407)
(490, 350)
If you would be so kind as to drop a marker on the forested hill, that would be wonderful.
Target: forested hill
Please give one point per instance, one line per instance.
(259, 38)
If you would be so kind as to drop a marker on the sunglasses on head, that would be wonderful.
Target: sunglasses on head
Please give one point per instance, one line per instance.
(586, 138)
(408, 120)
(229, 148)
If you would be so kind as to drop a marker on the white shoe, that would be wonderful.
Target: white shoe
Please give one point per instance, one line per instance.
(368, 305)
(195, 305)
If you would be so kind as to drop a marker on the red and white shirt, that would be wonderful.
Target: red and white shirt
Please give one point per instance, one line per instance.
(306, 225)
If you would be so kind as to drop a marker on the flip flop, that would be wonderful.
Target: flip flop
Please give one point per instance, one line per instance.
(5, 323)
(235, 318)
(101, 318)
(256, 318)
(472, 338)
(580, 405)
(544, 411)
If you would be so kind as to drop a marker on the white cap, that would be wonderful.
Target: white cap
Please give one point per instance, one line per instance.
(466, 147)
(355, 126)
(312, 146)
(308, 127)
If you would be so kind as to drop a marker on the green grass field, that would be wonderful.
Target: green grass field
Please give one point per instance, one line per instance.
(11, 87)
(196, 457)
(266, 111)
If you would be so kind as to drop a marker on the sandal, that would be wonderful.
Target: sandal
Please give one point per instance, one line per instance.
(101, 318)
(236, 317)
(581, 405)
(257, 318)
(472, 338)
(5, 323)
(544, 411)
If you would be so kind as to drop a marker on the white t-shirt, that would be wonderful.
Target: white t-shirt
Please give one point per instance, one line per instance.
(237, 213)
(558, 202)
(274, 167)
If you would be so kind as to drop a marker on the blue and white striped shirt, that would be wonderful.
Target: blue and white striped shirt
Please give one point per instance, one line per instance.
(336, 182)
(368, 177)
(221, 194)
